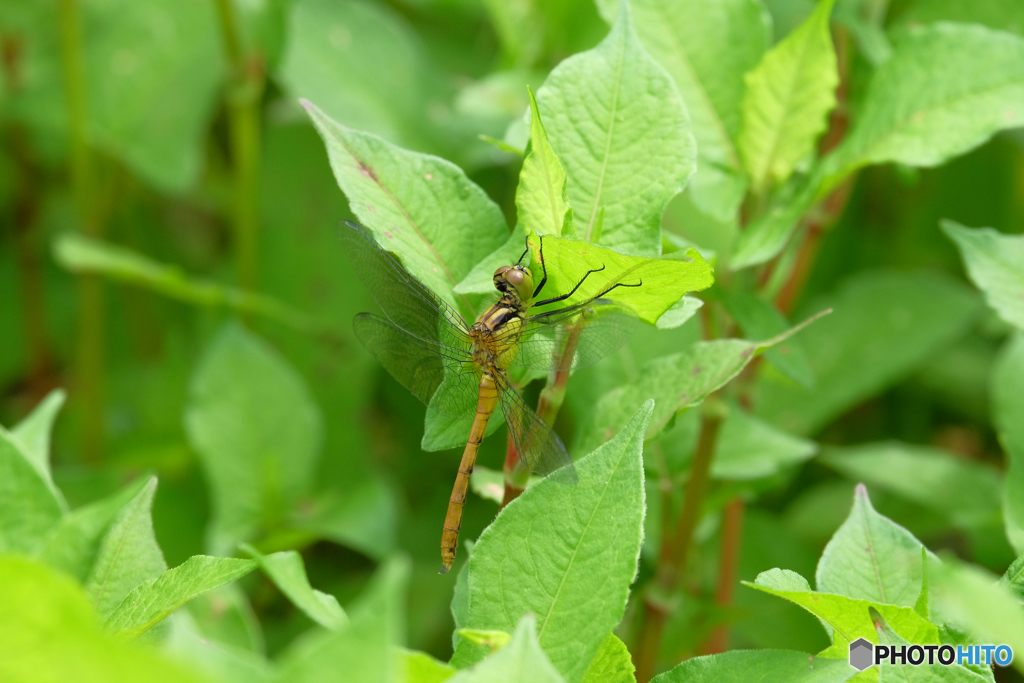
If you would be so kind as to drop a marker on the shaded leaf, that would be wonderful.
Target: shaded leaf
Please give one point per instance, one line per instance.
(749, 448)
(288, 573)
(761, 320)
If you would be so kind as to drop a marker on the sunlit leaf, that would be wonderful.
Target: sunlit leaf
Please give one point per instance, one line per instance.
(521, 660)
(541, 198)
(612, 664)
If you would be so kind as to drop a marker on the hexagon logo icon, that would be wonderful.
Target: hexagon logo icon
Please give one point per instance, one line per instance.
(861, 654)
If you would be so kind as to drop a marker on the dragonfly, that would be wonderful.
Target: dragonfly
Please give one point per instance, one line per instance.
(462, 370)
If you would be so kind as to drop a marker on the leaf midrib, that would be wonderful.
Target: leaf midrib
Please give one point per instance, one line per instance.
(871, 552)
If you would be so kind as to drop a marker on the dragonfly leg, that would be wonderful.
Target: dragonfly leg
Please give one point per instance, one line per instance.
(573, 290)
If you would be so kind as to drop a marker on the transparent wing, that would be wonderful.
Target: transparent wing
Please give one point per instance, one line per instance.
(538, 445)
(430, 371)
(407, 302)
(594, 329)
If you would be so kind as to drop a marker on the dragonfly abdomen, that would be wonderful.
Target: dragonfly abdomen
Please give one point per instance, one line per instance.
(486, 403)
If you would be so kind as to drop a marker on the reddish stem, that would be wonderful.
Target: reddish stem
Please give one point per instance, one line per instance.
(732, 531)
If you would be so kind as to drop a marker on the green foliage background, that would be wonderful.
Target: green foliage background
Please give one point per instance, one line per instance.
(238, 486)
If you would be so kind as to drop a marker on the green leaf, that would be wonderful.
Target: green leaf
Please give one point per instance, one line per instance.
(1008, 419)
(29, 504)
(49, 632)
(947, 89)
(362, 650)
(441, 432)
(760, 320)
(676, 381)
(905, 673)
(480, 280)
(612, 664)
(73, 543)
(965, 491)
(226, 616)
(974, 599)
(34, 432)
(622, 133)
(663, 281)
(521, 661)
(419, 667)
(789, 95)
(420, 207)
(567, 554)
(995, 264)
(767, 234)
(150, 101)
(764, 666)
(153, 600)
(288, 573)
(365, 66)
(80, 254)
(541, 198)
(707, 48)
(220, 662)
(257, 432)
(749, 448)
(364, 517)
(128, 554)
(849, 618)
(1002, 15)
(870, 557)
(885, 325)
(679, 312)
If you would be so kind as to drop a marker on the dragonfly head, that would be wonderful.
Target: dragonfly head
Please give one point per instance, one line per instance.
(514, 278)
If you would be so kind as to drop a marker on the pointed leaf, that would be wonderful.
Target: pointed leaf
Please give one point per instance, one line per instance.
(34, 431)
(763, 666)
(418, 206)
(128, 554)
(155, 599)
(789, 95)
(760, 320)
(257, 431)
(995, 264)
(541, 198)
(521, 661)
(871, 557)
(288, 573)
(622, 133)
(566, 554)
(29, 507)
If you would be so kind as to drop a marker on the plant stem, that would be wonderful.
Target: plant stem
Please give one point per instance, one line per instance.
(728, 568)
(676, 547)
(90, 361)
(243, 101)
(551, 399)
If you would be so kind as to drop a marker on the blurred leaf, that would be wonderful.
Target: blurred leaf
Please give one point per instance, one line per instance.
(621, 131)
(679, 312)
(788, 98)
(420, 207)
(761, 320)
(870, 557)
(611, 664)
(257, 432)
(362, 649)
(707, 48)
(520, 661)
(541, 198)
(995, 264)
(947, 89)
(34, 432)
(441, 432)
(288, 573)
(49, 632)
(488, 484)
(977, 601)
(1002, 15)
(566, 554)
(494, 640)
(849, 618)
(965, 491)
(150, 101)
(866, 30)
(749, 448)
(128, 554)
(73, 543)
(1008, 420)
(663, 280)
(363, 517)
(363, 65)
(769, 666)
(676, 382)
(80, 254)
(419, 667)
(885, 324)
(225, 616)
(222, 663)
(767, 234)
(29, 506)
(153, 600)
